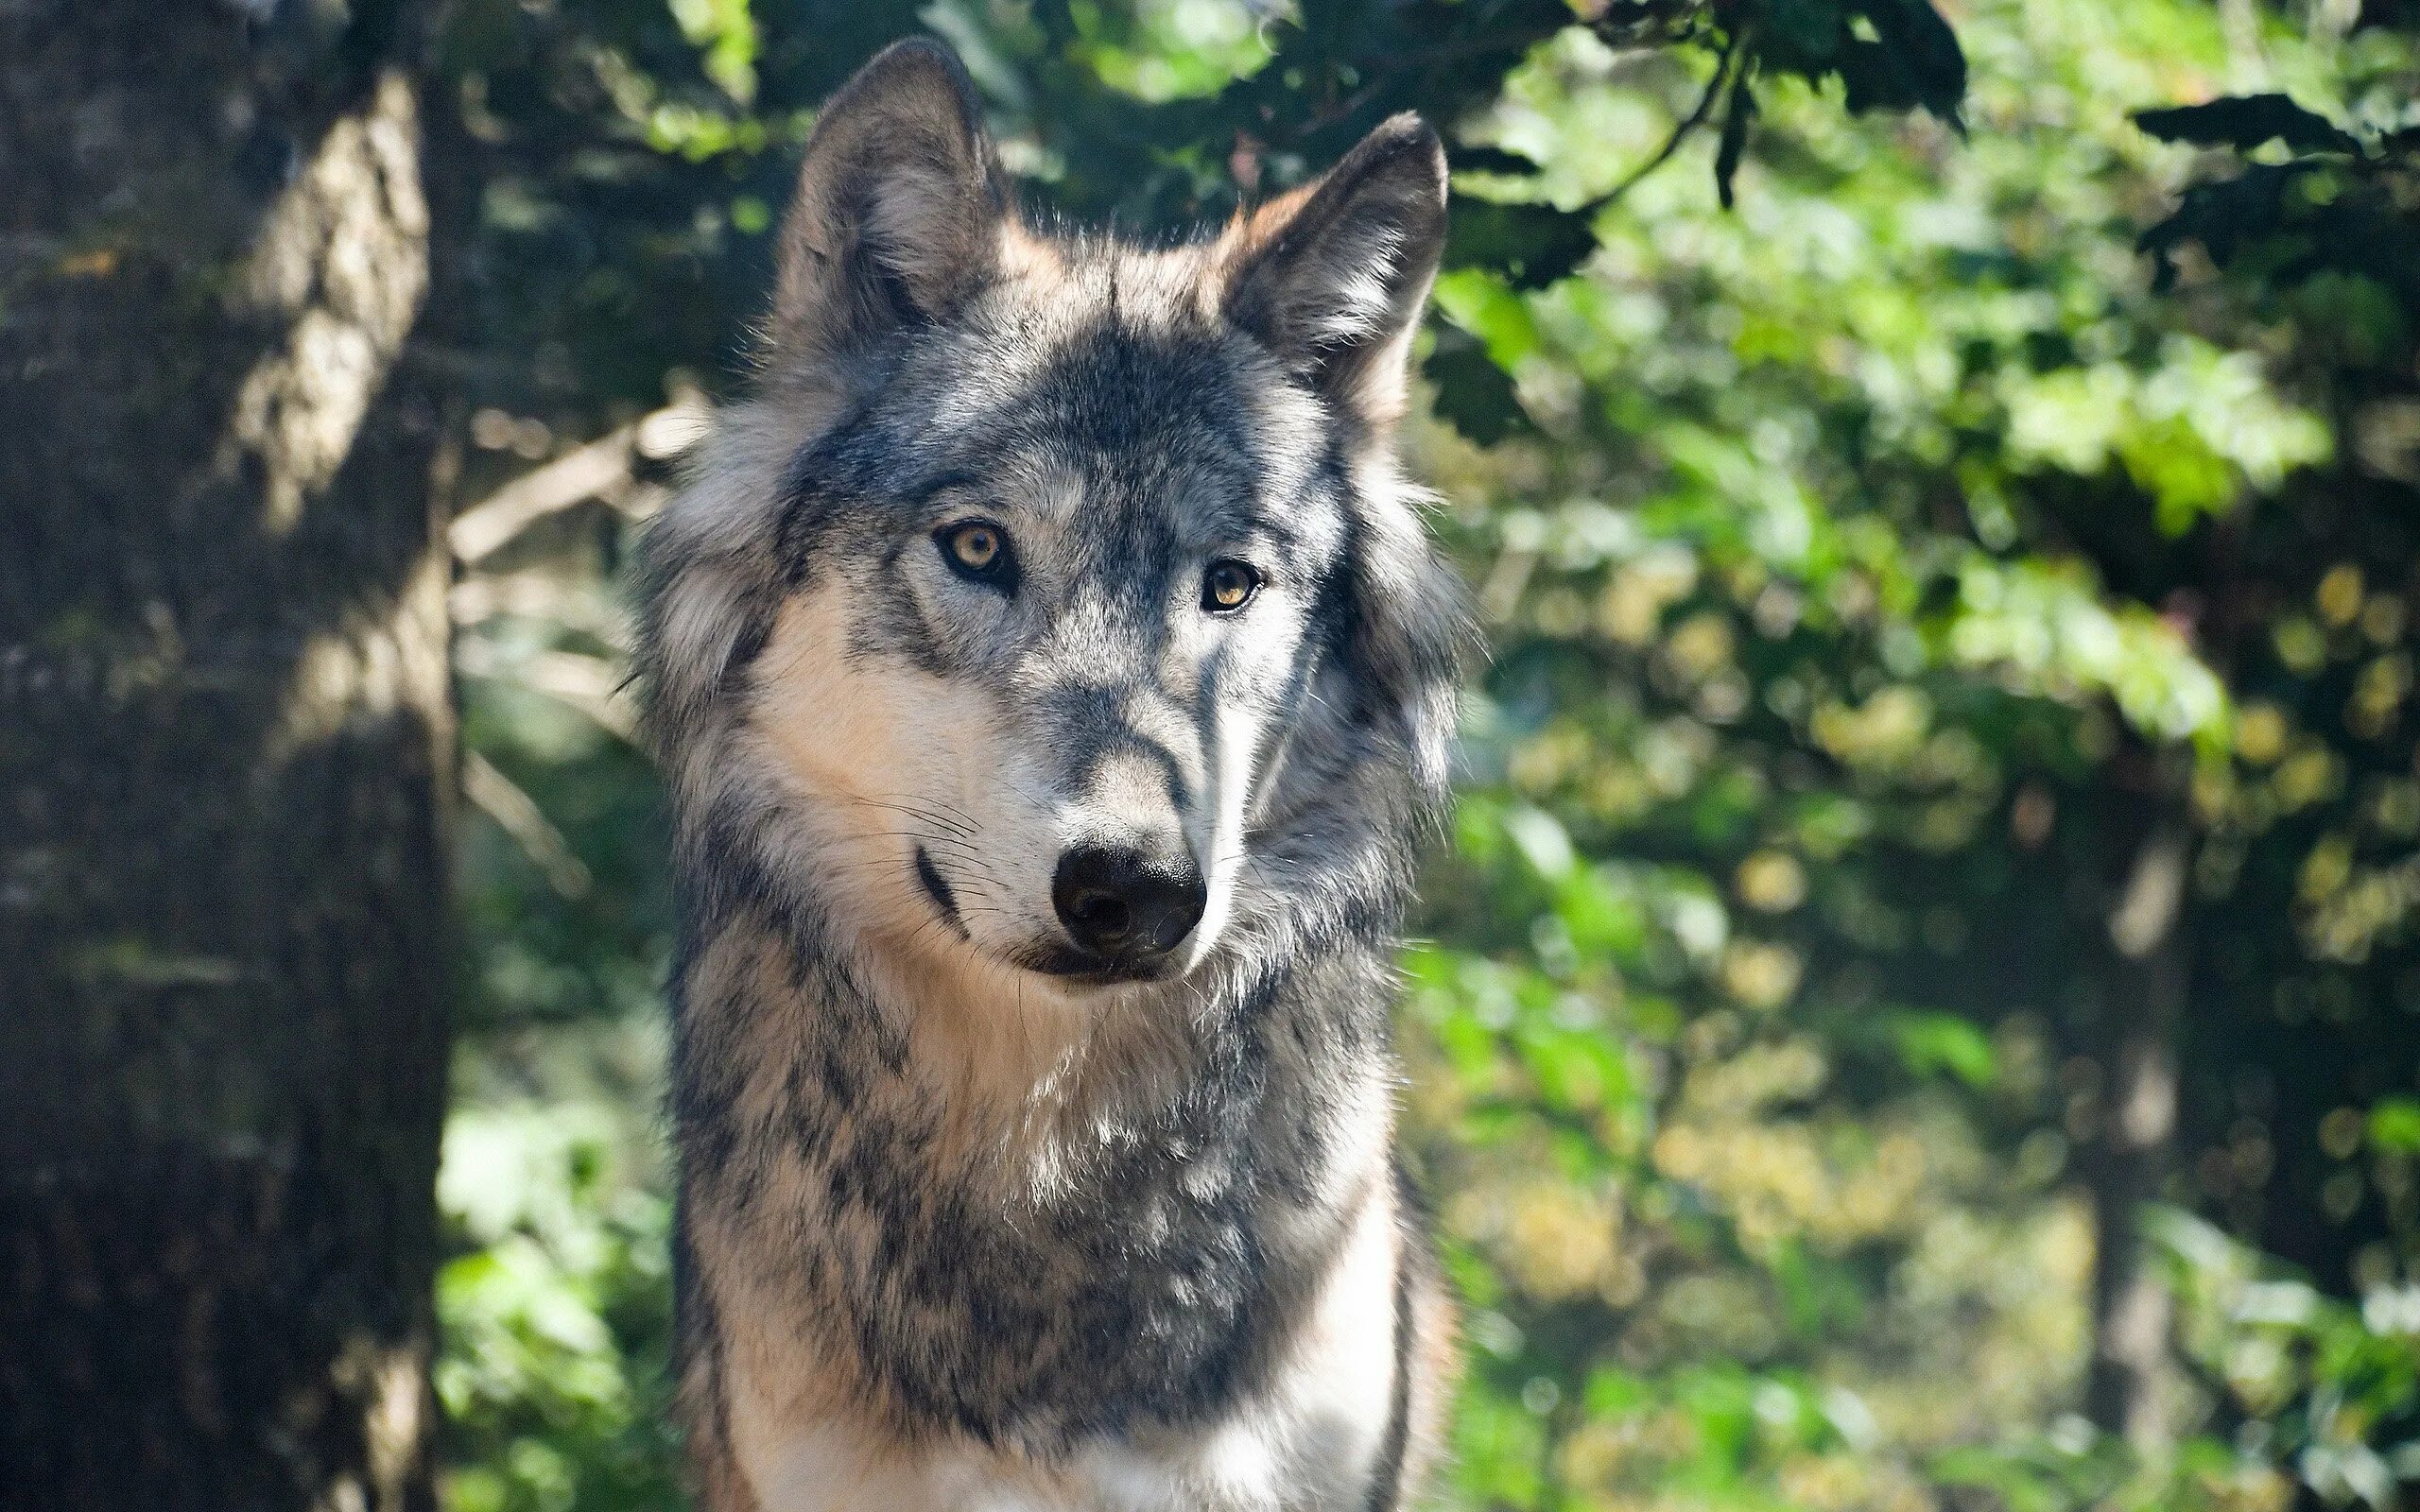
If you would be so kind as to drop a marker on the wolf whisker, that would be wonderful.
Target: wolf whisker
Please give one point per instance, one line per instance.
(927, 815)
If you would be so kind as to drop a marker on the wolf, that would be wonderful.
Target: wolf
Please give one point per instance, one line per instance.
(1053, 681)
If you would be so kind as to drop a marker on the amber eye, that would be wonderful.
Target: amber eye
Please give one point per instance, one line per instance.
(976, 546)
(1228, 586)
(975, 549)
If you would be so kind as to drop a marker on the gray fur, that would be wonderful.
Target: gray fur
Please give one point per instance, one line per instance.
(1133, 1254)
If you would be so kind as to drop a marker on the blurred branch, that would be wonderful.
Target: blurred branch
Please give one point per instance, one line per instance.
(518, 815)
(604, 468)
(539, 596)
(589, 683)
(1724, 64)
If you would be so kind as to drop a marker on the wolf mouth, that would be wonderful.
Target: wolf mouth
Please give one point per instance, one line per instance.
(1077, 966)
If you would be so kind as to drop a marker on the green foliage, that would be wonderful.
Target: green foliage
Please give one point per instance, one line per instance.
(554, 1378)
(1869, 567)
(2329, 1387)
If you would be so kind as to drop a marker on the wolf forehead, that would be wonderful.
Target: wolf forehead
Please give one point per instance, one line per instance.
(1160, 428)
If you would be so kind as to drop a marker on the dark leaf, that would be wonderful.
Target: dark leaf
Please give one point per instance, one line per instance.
(1876, 79)
(1531, 245)
(1473, 395)
(1925, 53)
(2244, 122)
(1910, 59)
(1490, 159)
(2277, 236)
(1801, 36)
(2225, 217)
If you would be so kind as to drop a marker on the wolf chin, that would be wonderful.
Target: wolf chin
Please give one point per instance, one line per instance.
(1052, 680)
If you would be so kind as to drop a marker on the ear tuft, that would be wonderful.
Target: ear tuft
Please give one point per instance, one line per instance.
(898, 211)
(1332, 277)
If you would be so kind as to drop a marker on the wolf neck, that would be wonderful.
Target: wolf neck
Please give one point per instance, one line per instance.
(1106, 1220)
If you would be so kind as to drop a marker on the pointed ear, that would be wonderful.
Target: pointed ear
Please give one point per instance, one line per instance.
(1331, 278)
(899, 207)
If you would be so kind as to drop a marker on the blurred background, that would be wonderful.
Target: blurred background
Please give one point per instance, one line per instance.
(1920, 1009)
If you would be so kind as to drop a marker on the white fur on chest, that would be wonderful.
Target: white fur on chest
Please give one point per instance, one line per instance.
(1308, 1442)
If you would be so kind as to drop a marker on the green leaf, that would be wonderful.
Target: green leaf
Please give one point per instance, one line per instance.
(1930, 1043)
(2395, 1125)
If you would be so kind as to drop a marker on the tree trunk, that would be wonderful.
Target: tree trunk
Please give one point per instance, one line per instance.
(224, 747)
(2130, 1381)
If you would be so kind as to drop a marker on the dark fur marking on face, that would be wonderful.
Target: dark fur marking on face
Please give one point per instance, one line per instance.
(1152, 424)
(937, 887)
(745, 647)
(891, 623)
(1337, 607)
(810, 509)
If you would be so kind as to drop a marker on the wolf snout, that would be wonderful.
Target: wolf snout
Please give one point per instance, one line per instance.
(1126, 906)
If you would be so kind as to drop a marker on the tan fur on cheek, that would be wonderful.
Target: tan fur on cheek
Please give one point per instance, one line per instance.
(887, 756)
(836, 728)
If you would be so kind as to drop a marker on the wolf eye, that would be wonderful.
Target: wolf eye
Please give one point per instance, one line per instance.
(974, 549)
(1228, 586)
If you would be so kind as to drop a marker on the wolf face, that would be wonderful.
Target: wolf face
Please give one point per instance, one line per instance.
(1071, 568)
(1065, 625)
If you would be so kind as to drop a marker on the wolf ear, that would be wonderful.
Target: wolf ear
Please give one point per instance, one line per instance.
(1331, 278)
(898, 210)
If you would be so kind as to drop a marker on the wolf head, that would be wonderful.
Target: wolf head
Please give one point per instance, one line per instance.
(1054, 609)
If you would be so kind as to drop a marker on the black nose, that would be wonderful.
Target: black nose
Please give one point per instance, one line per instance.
(1121, 905)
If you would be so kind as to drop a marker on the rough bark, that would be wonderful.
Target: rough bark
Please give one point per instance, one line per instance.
(224, 744)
